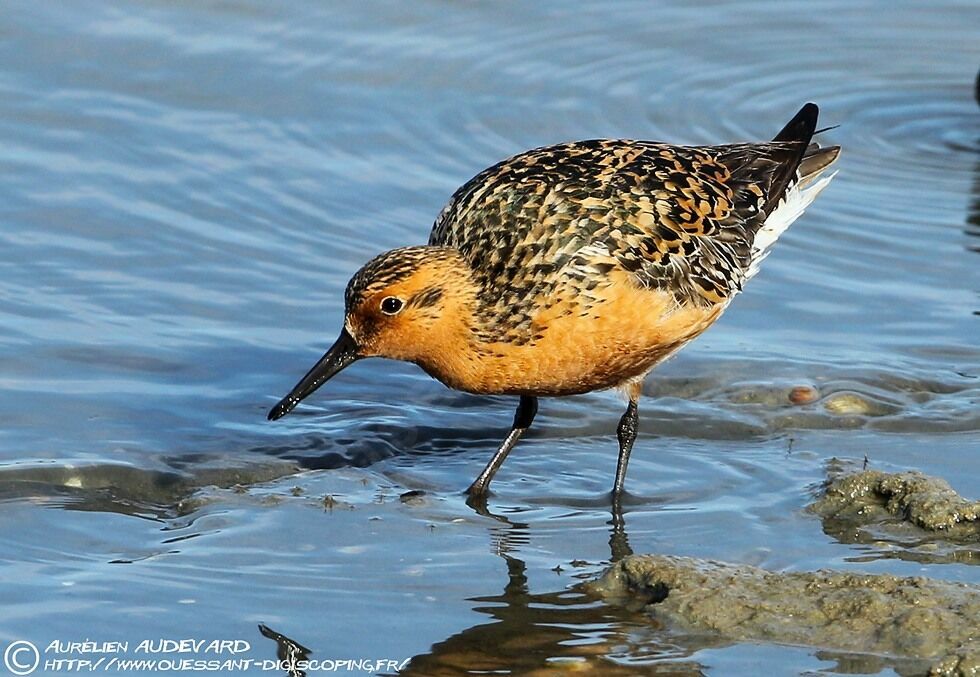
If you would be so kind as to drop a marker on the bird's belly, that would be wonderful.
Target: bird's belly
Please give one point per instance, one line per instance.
(620, 338)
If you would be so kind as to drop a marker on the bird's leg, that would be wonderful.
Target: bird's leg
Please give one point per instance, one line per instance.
(627, 435)
(619, 544)
(526, 410)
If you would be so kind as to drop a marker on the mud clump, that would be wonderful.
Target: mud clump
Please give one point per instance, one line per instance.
(872, 496)
(909, 618)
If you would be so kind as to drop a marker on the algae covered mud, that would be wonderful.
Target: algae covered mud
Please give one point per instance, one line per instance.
(189, 186)
(916, 624)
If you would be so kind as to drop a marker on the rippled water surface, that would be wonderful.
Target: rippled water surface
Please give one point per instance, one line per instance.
(186, 188)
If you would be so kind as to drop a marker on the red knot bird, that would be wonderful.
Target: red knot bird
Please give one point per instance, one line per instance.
(577, 267)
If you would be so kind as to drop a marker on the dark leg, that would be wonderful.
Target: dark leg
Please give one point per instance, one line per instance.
(627, 435)
(522, 421)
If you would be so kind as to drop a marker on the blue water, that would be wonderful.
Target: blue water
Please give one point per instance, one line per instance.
(185, 189)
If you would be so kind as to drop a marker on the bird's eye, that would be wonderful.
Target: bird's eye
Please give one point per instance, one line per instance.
(391, 305)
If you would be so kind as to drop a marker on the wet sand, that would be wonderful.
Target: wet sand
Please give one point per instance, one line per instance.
(928, 624)
(908, 618)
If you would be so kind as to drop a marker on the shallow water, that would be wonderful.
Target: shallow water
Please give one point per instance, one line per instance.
(186, 189)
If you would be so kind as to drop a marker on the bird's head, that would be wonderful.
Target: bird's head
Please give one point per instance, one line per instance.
(406, 304)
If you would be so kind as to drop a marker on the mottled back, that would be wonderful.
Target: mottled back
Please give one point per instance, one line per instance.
(552, 223)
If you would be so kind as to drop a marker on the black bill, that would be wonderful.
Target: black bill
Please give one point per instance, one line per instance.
(341, 354)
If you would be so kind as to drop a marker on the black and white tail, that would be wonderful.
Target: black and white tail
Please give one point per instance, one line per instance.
(799, 184)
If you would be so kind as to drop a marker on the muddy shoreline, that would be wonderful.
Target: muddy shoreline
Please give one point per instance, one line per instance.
(916, 618)
(921, 623)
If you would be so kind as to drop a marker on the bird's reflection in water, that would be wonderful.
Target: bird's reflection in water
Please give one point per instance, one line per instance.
(619, 542)
(510, 534)
(972, 228)
(568, 630)
(541, 633)
(291, 654)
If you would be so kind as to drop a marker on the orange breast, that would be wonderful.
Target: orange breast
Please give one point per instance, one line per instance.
(620, 337)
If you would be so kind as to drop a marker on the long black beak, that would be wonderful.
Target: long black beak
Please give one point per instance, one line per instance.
(341, 354)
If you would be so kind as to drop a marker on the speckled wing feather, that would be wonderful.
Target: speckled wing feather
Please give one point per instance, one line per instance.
(553, 222)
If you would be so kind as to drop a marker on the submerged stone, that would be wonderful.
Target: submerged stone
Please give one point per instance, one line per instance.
(803, 395)
(844, 403)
